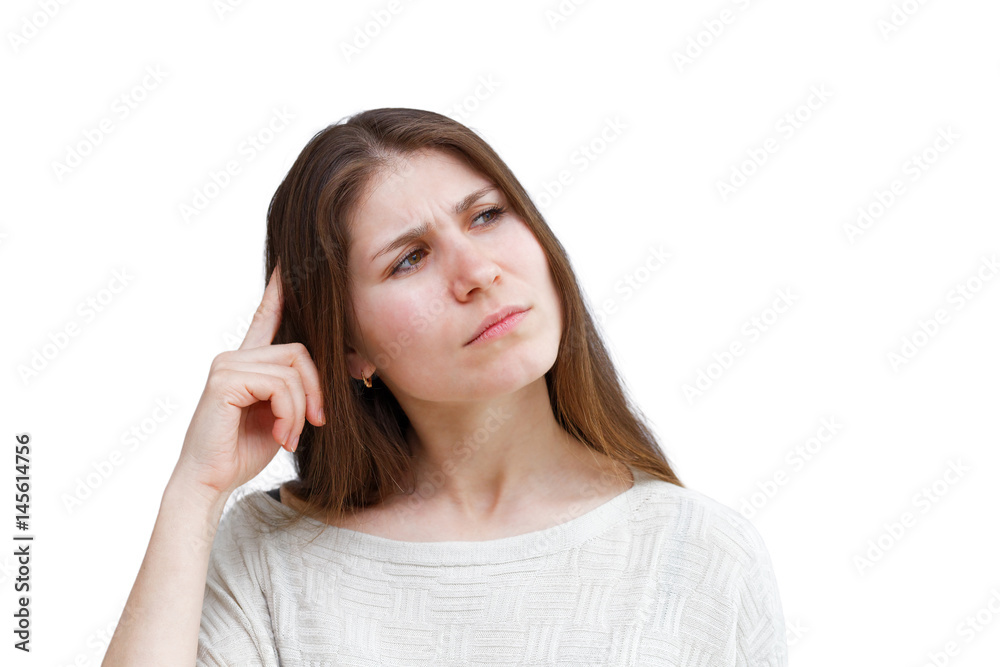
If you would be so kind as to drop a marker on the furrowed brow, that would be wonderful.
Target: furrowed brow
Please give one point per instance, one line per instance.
(415, 233)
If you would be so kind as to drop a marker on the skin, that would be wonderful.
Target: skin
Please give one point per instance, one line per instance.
(414, 327)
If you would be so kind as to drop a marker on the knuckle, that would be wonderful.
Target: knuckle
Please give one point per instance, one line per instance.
(228, 358)
(294, 385)
(294, 376)
(264, 307)
(218, 379)
(299, 349)
(288, 374)
(219, 359)
(262, 313)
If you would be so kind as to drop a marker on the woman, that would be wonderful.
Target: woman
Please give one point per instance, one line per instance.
(483, 492)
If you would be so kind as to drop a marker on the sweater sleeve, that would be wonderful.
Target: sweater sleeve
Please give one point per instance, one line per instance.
(760, 631)
(235, 621)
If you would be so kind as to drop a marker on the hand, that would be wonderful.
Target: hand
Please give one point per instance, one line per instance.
(256, 400)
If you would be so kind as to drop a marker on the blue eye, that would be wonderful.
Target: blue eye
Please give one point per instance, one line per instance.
(401, 267)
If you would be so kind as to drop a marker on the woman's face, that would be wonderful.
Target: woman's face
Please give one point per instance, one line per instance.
(420, 302)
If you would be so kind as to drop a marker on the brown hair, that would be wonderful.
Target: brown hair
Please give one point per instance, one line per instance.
(360, 455)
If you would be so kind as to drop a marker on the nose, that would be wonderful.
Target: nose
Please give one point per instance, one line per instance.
(471, 267)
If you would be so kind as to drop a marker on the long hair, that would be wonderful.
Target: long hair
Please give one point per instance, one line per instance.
(361, 455)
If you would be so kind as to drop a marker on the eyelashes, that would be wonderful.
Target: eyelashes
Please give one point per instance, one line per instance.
(401, 268)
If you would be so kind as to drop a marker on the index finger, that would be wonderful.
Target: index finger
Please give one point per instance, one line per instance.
(268, 316)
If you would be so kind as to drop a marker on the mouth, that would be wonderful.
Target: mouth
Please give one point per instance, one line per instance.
(499, 323)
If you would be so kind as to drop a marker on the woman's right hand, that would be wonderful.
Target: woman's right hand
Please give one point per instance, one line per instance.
(256, 400)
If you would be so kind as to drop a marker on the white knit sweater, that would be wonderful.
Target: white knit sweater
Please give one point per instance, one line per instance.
(658, 575)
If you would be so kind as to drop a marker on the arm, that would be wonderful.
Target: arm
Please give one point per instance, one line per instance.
(236, 627)
(761, 625)
(160, 621)
(256, 401)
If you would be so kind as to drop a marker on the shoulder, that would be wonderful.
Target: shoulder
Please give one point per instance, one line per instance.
(709, 551)
(699, 527)
(245, 528)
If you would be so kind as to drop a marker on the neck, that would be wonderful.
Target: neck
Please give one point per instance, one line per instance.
(479, 460)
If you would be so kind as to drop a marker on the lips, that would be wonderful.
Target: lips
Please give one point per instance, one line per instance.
(493, 318)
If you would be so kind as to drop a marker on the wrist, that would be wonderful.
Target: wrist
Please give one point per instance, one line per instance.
(192, 512)
(183, 485)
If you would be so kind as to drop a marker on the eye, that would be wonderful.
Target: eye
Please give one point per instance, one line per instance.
(496, 212)
(401, 267)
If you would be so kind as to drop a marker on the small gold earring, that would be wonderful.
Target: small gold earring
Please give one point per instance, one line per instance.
(368, 380)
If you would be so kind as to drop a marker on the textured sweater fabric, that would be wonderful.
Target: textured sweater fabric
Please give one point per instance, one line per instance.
(658, 575)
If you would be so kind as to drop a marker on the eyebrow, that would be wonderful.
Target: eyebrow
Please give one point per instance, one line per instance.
(415, 233)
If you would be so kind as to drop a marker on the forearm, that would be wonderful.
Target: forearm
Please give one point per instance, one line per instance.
(160, 622)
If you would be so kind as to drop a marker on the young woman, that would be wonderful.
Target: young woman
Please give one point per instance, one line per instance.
(474, 487)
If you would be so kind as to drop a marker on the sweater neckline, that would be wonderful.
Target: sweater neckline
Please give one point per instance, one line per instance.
(537, 543)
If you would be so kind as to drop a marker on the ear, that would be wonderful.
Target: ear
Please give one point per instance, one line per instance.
(358, 364)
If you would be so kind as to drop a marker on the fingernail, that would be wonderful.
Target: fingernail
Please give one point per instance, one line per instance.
(295, 441)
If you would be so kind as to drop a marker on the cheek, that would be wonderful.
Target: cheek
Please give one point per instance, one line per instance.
(532, 259)
(536, 269)
(517, 247)
(400, 326)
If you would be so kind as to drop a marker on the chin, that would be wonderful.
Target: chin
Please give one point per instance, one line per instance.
(511, 375)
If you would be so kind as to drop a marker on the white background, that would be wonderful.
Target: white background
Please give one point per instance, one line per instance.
(684, 128)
